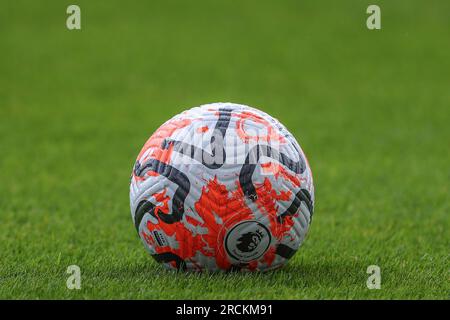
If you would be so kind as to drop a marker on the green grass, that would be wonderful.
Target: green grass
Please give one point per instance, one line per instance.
(370, 108)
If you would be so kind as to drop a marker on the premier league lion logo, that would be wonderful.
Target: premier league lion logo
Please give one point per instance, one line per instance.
(249, 241)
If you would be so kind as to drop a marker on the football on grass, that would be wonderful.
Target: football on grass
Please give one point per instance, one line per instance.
(222, 186)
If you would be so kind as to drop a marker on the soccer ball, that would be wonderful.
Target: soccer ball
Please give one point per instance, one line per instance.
(222, 186)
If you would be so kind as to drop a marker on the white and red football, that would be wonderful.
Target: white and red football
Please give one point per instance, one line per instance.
(222, 186)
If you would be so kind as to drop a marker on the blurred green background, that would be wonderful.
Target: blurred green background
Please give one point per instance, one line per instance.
(370, 109)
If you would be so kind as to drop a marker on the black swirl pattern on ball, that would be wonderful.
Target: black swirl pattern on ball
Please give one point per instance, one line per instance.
(258, 151)
(175, 176)
(200, 154)
(302, 196)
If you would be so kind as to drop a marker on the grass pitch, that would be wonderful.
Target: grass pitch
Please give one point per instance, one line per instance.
(370, 109)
